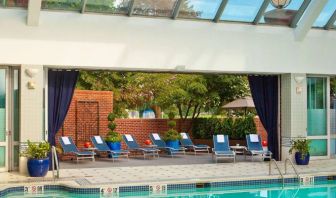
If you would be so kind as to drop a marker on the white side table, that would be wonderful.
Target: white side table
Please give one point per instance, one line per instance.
(239, 149)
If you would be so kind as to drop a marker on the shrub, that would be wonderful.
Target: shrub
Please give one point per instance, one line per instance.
(171, 115)
(112, 136)
(171, 135)
(235, 128)
(171, 124)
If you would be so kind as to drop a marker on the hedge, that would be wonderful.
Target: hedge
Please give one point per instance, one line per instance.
(235, 128)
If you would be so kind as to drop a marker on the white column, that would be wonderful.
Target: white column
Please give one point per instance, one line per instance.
(31, 103)
(34, 9)
(293, 109)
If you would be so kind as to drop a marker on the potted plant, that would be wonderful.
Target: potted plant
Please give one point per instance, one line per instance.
(301, 148)
(38, 160)
(172, 137)
(113, 138)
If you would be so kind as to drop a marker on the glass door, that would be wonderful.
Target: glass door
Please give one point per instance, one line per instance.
(14, 121)
(3, 120)
(333, 117)
(317, 130)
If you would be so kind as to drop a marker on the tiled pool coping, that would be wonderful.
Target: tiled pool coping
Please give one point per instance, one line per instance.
(170, 187)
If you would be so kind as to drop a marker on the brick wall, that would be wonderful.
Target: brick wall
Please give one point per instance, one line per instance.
(87, 115)
(141, 128)
(260, 128)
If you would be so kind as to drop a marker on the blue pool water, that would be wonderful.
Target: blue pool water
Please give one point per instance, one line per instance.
(318, 190)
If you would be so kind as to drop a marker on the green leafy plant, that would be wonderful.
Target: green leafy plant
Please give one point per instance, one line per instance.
(37, 150)
(171, 124)
(234, 127)
(300, 145)
(112, 136)
(171, 115)
(172, 135)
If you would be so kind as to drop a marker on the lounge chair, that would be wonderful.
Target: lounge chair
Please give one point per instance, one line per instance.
(68, 146)
(222, 149)
(187, 143)
(101, 146)
(156, 139)
(254, 147)
(134, 146)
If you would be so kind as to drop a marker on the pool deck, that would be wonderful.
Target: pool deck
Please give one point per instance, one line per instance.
(102, 173)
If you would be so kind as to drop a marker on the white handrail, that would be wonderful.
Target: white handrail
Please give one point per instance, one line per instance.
(54, 160)
(277, 166)
(293, 166)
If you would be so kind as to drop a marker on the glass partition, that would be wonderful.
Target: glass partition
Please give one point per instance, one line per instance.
(108, 6)
(16, 3)
(241, 10)
(317, 115)
(3, 139)
(154, 8)
(326, 13)
(199, 9)
(74, 5)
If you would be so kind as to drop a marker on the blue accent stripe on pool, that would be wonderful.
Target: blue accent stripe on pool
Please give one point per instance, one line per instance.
(170, 187)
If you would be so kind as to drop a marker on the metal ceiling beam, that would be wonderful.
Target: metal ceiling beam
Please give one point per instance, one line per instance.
(308, 19)
(177, 9)
(83, 6)
(33, 14)
(131, 8)
(299, 13)
(220, 10)
(261, 12)
(331, 22)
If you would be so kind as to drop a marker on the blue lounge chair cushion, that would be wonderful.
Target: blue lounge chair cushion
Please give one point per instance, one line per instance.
(103, 147)
(135, 146)
(221, 146)
(156, 139)
(70, 147)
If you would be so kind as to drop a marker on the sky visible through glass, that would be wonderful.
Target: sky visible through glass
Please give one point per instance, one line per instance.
(326, 13)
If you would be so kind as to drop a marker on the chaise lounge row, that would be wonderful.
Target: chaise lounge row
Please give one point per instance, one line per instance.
(221, 148)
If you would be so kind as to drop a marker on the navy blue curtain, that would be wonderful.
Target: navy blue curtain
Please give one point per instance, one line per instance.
(61, 86)
(264, 90)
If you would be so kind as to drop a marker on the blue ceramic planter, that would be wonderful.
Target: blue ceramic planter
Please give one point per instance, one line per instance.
(38, 167)
(300, 161)
(173, 144)
(114, 146)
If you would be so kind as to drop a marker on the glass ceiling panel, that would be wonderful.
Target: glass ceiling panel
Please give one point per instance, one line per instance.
(62, 4)
(108, 6)
(294, 5)
(154, 7)
(15, 3)
(199, 9)
(241, 10)
(326, 13)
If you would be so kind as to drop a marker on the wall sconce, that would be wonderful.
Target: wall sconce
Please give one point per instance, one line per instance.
(299, 80)
(31, 85)
(31, 72)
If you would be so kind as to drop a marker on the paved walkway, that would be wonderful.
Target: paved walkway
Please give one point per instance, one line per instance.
(89, 177)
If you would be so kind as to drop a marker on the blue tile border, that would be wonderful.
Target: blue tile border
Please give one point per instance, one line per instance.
(170, 187)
